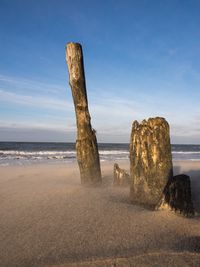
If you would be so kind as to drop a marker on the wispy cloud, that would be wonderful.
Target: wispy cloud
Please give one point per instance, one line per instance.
(36, 101)
(111, 115)
(31, 84)
(62, 125)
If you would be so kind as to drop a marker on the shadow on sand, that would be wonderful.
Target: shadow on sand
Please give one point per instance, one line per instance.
(190, 244)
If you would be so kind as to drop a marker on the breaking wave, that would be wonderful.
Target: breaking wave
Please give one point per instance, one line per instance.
(28, 153)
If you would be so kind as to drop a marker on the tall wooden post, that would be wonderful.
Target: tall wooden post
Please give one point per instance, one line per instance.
(86, 143)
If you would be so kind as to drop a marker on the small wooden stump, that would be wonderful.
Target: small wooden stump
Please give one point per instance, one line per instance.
(177, 196)
(121, 177)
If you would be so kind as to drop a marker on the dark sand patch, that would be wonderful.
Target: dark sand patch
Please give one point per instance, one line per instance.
(155, 259)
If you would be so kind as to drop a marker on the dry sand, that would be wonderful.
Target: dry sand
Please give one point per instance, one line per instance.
(48, 219)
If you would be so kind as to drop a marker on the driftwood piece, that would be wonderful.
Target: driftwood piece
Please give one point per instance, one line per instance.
(150, 160)
(121, 177)
(86, 144)
(177, 196)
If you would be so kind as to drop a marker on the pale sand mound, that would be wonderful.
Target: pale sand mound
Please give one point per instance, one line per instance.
(48, 219)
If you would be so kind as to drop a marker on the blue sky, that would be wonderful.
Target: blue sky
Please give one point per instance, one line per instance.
(142, 59)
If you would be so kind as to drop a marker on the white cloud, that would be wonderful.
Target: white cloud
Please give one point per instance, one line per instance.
(54, 124)
(111, 115)
(36, 101)
(32, 85)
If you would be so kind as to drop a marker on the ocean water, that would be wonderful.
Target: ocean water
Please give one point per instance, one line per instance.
(25, 153)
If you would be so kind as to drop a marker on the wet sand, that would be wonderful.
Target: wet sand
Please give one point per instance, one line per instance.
(48, 219)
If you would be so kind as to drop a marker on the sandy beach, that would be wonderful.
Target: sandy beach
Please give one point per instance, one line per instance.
(49, 219)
